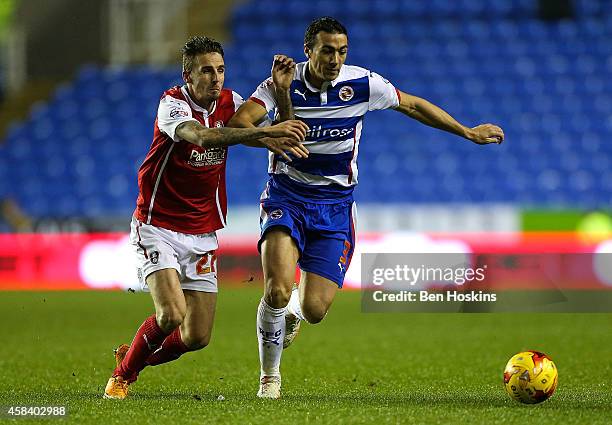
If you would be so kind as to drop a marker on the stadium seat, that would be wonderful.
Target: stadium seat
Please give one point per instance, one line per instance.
(546, 83)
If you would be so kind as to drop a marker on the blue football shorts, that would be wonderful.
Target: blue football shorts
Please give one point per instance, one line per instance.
(323, 233)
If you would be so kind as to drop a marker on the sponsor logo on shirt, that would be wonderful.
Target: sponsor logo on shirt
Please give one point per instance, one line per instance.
(266, 83)
(212, 156)
(317, 132)
(296, 91)
(178, 113)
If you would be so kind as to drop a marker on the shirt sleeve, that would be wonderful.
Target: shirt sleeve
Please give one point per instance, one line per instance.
(264, 95)
(383, 95)
(171, 113)
(238, 100)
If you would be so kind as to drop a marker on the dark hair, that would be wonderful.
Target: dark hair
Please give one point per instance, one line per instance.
(197, 45)
(325, 24)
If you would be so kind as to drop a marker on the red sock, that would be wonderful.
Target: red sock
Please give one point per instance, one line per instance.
(147, 339)
(171, 349)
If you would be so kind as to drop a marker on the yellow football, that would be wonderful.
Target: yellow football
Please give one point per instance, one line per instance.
(530, 377)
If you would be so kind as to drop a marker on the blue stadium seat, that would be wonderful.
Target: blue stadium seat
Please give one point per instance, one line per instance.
(547, 84)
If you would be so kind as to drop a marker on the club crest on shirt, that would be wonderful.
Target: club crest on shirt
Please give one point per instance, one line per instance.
(346, 93)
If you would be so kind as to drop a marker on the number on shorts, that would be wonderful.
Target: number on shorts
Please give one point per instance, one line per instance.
(207, 263)
(347, 248)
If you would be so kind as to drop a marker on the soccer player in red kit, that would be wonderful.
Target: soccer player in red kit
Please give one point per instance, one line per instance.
(182, 202)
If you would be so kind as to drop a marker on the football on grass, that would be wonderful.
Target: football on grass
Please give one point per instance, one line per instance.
(530, 377)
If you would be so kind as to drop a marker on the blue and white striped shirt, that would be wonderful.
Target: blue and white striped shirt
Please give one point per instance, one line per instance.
(334, 115)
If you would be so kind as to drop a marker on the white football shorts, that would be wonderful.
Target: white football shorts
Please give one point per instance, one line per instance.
(192, 256)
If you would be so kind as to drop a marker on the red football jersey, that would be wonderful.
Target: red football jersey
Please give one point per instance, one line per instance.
(181, 185)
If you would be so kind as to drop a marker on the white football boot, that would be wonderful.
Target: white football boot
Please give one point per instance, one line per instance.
(269, 387)
(292, 328)
(292, 322)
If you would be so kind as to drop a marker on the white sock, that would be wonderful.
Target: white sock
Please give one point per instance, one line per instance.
(294, 307)
(270, 334)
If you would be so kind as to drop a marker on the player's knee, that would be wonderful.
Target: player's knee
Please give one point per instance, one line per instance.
(196, 342)
(314, 312)
(277, 296)
(170, 318)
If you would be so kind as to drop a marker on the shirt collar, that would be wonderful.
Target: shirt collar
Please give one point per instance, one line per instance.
(313, 88)
(195, 106)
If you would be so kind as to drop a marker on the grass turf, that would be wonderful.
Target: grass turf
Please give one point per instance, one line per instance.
(352, 368)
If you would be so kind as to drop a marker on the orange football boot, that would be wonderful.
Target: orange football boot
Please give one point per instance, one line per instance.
(117, 387)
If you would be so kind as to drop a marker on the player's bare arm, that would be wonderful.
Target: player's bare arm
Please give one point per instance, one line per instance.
(196, 133)
(433, 116)
(283, 72)
(250, 113)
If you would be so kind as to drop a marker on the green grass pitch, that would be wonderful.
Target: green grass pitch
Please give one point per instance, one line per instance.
(352, 368)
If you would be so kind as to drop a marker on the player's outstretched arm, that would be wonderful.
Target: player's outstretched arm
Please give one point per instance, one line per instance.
(196, 133)
(252, 113)
(248, 115)
(433, 116)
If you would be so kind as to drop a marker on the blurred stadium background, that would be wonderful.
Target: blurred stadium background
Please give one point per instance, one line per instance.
(80, 84)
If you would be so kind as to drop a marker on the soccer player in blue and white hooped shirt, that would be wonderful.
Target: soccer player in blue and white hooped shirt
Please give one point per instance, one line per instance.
(307, 208)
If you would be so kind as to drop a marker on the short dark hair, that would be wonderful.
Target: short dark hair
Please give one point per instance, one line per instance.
(325, 24)
(197, 45)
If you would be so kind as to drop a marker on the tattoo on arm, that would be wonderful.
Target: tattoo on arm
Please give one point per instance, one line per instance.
(196, 133)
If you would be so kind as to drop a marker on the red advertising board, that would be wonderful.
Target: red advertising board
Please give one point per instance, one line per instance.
(105, 260)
